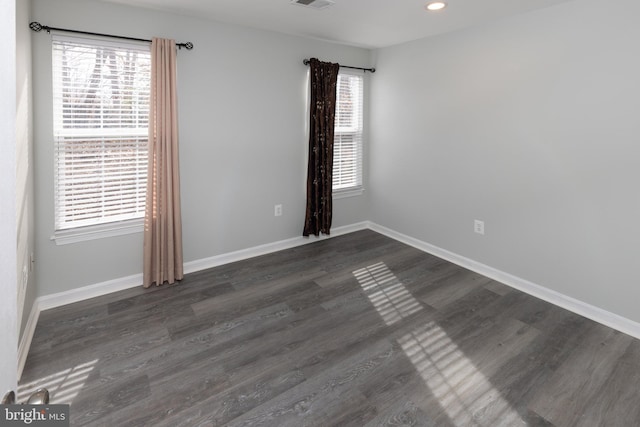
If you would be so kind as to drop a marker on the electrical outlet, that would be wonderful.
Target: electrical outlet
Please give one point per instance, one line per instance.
(478, 226)
(277, 211)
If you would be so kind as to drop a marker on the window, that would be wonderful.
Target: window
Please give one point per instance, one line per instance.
(347, 145)
(101, 112)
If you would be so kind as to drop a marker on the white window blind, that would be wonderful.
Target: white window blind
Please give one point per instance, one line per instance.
(101, 113)
(347, 145)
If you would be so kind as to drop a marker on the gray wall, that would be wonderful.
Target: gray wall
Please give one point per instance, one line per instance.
(24, 162)
(242, 103)
(530, 124)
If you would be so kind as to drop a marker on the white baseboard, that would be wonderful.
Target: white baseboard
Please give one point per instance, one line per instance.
(63, 298)
(597, 314)
(589, 311)
(80, 294)
(215, 261)
(27, 336)
(98, 289)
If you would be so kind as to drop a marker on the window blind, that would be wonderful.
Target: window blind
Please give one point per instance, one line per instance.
(347, 145)
(101, 114)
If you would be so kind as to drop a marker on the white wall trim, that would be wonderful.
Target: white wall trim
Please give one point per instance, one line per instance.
(348, 192)
(27, 336)
(74, 295)
(597, 314)
(91, 232)
(80, 294)
(215, 261)
(98, 289)
(594, 313)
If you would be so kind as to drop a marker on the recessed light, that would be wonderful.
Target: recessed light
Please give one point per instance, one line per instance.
(435, 6)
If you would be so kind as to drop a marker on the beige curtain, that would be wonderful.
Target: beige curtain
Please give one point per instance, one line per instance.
(163, 222)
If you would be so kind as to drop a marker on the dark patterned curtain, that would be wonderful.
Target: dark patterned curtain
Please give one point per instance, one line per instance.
(324, 78)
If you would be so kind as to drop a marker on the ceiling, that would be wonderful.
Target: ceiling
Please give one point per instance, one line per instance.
(363, 23)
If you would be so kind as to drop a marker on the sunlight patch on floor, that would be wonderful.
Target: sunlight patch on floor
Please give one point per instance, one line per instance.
(63, 386)
(466, 395)
(387, 294)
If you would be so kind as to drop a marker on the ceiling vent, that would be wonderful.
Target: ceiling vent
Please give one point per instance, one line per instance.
(314, 4)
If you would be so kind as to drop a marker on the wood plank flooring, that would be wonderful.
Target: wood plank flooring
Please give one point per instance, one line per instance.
(357, 330)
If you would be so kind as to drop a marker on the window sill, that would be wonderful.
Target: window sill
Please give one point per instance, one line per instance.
(92, 232)
(348, 192)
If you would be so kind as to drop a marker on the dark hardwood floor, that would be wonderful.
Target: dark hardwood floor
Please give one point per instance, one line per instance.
(356, 330)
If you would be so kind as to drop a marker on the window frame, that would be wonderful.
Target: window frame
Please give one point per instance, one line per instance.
(358, 188)
(109, 227)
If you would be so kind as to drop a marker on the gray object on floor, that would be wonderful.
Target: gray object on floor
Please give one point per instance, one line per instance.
(39, 397)
(9, 398)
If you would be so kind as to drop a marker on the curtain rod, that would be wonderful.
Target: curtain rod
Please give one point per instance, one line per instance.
(37, 27)
(371, 70)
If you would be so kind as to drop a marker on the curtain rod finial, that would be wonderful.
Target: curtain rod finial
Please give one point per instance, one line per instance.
(35, 26)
